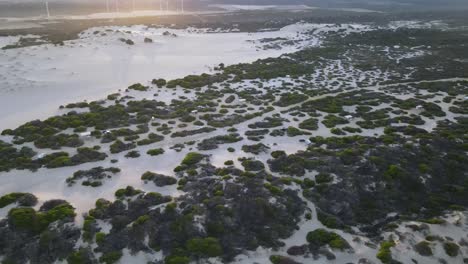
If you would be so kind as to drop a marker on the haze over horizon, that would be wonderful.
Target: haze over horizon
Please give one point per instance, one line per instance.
(387, 5)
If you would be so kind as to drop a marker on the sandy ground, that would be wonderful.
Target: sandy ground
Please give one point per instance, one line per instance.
(36, 80)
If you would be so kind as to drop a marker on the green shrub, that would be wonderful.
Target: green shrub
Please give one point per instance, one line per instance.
(205, 247)
(100, 237)
(171, 207)
(59, 212)
(132, 154)
(352, 129)
(138, 87)
(393, 172)
(433, 221)
(10, 198)
(128, 192)
(113, 97)
(290, 99)
(29, 220)
(337, 131)
(179, 168)
(78, 257)
(321, 237)
(252, 165)
(278, 153)
(451, 249)
(308, 183)
(273, 189)
(110, 257)
(141, 220)
(276, 259)
(331, 121)
(155, 152)
(424, 168)
(293, 131)
(327, 220)
(152, 138)
(58, 141)
(192, 158)
(423, 248)
(309, 124)
(323, 178)
(177, 260)
(23, 218)
(385, 254)
(159, 82)
(58, 162)
(118, 146)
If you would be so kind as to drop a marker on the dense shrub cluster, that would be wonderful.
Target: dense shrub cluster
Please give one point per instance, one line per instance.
(321, 237)
(23, 199)
(92, 177)
(12, 158)
(28, 219)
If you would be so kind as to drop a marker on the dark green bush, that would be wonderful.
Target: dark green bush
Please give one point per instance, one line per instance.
(138, 87)
(110, 257)
(10, 198)
(423, 248)
(192, 158)
(451, 249)
(204, 247)
(155, 152)
(309, 124)
(321, 237)
(385, 254)
(29, 220)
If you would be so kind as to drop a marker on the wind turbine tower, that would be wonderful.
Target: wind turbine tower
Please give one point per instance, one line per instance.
(107, 6)
(182, 5)
(47, 9)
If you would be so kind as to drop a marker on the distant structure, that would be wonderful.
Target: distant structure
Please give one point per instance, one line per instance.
(164, 5)
(47, 9)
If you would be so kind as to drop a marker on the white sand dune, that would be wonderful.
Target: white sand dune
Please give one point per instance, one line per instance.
(36, 80)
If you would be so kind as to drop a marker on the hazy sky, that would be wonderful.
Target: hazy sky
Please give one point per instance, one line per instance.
(424, 4)
(377, 2)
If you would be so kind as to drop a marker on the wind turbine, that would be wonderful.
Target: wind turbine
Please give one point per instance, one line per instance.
(182, 5)
(133, 5)
(107, 6)
(47, 9)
